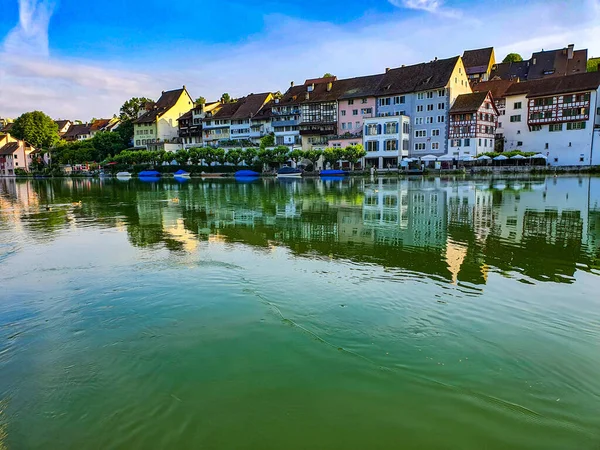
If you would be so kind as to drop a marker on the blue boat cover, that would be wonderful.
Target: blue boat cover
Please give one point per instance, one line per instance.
(149, 173)
(247, 173)
(288, 170)
(333, 172)
(181, 172)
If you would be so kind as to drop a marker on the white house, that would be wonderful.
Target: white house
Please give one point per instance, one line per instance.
(386, 140)
(559, 117)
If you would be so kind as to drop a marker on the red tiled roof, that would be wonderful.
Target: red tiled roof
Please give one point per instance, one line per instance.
(9, 148)
(556, 85)
(496, 87)
(468, 102)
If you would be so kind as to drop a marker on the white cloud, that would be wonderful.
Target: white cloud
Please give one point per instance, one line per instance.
(30, 36)
(431, 6)
(287, 49)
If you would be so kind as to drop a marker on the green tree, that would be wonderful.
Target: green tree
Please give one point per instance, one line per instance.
(267, 141)
(182, 157)
(593, 64)
(194, 155)
(512, 57)
(332, 155)
(281, 154)
(234, 156)
(265, 156)
(249, 156)
(36, 128)
(328, 75)
(219, 155)
(353, 154)
(296, 155)
(107, 143)
(313, 155)
(226, 98)
(200, 101)
(132, 107)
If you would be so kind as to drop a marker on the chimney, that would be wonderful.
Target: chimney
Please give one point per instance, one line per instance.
(292, 84)
(329, 86)
(387, 69)
(403, 65)
(435, 59)
(570, 49)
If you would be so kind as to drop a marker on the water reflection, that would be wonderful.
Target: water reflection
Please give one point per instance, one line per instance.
(535, 229)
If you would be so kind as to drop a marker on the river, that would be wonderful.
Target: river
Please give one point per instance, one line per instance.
(434, 313)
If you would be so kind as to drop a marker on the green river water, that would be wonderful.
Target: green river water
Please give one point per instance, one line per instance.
(310, 314)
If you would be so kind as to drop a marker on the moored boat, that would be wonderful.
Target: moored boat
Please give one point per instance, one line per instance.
(246, 174)
(149, 174)
(289, 172)
(181, 174)
(333, 173)
(123, 175)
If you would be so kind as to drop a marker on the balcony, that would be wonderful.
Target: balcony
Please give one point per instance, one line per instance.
(284, 123)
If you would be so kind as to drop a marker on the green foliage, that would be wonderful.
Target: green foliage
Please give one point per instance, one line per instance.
(182, 156)
(593, 64)
(200, 101)
(328, 75)
(226, 98)
(296, 155)
(249, 156)
(313, 155)
(125, 130)
(36, 128)
(234, 156)
(132, 107)
(332, 155)
(267, 141)
(219, 155)
(107, 143)
(353, 153)
(512, 57)
(281, 154)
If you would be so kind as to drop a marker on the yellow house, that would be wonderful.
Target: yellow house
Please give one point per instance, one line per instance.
(157, 127)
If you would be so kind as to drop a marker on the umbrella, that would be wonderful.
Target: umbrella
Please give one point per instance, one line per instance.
(539, 156)
(446, 158)
(409, 160)
(484, 158)
(500, 158)
(467, 158)
(517, 157)
(429, 158)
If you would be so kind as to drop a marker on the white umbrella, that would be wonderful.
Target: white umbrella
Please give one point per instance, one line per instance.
(500, 158)
(409, 160)
(446, 158)
(484, 158)
(539, 156)
(467, 158)
(517, 157)
(428, 158)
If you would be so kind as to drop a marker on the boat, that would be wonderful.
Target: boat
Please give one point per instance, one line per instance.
(246, 174)
(289, 172)
(181, 174)
(149, 174)
(333, 173)
(123, 175)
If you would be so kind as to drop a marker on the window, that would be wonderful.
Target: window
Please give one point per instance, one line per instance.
(598, 111)
(372, 146)
(405, 128)
(343, 113)
(441, 119)
(429, 119)
(430, 95)
(547, 146)
(441, 92)
(576, 126)
(405, 144)
(420, 96)
(420, 133)
(343, 125)
(366, 111)
(391, 128)
(363, 100)
(419, 108)
(351, 102)
(536, 128)
(455, 143)
(143, 141)
(435, 146)
(349, 125)
(555, 127)
(480, 142)
(418, 121)
(435, 132)
(399, 100)
(385, 101)
(516, 118)
(391, 145)
(419, 146)
(467, 142)
(499, 124)
(441, 105)
(517, 105)
(429, 107)
(357, 124)
(371, 129)
(519, 143)
(355, 112)
(581, 159)
(137, 142)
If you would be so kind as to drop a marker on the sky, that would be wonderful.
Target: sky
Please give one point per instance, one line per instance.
(79, 60)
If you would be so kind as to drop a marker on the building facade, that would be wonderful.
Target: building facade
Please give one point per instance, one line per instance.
(386, 141)
(14, 154)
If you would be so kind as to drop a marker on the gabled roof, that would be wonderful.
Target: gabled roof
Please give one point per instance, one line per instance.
(77, 130)
(9, 148)
(496, 87)
(250, 105)
(510, 70)
(167, 100)
(187, 115)
(477, 61)
(556, 85)
(99, 124)
(319, 80)
(358, 87)
(557, 63)
(419, 77)
(292, 96)
(7, 127)
(61, 123)
(465, 103)
(227, 110)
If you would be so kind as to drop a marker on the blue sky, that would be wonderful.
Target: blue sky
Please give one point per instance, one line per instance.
(77, 59)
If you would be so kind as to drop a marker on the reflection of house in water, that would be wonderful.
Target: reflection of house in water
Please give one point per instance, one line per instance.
(17, 197)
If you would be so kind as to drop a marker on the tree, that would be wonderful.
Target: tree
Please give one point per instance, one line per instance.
(354, 153)
(281, 154)
(313, 155)
(512, 57)
(328, 75)
(200, 101)
(296, 155)
(249, 155)
(267, 141)
(593, 65)
(226, 98)
(36, 128)
(132, 107)
(107, 143)
(182, 157)
(234, 156)
(194, 156)
(332, 155)
(219, 155)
